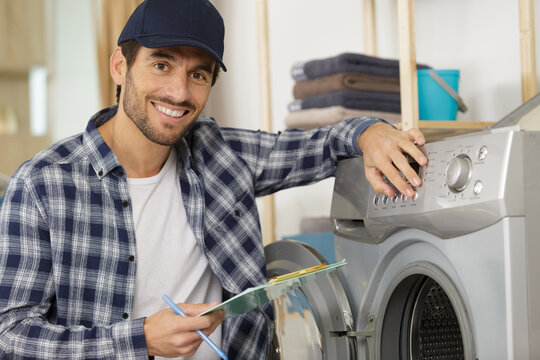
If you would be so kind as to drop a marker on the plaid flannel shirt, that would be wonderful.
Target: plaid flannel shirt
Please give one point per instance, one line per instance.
(67, 239)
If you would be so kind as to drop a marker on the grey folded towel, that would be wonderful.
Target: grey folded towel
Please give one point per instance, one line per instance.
(347, 62)
(364, 100)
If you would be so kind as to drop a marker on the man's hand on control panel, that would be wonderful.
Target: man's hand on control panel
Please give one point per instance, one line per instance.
(385, 149)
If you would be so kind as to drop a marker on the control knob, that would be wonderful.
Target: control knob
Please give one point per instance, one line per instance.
(459, 173)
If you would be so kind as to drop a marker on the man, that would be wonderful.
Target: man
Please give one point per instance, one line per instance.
(153, 199)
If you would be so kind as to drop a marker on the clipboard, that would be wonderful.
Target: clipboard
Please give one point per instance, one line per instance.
(254, 297)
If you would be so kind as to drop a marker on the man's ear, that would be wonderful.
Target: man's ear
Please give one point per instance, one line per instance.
(118, 66)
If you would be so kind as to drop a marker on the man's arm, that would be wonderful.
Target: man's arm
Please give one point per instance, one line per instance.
(295, 157)
(28, 293)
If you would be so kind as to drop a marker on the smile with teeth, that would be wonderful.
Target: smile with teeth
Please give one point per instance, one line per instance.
(169, 112)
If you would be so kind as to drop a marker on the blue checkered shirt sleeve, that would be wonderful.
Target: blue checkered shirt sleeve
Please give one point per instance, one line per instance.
(29, 286)
(293, 157)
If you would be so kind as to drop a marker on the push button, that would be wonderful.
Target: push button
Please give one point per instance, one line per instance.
(482, 153)
(478, 187)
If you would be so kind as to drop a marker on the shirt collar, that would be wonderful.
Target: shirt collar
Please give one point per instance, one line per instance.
(101, 156)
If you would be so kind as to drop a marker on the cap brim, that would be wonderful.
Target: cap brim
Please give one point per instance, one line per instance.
(160, 41)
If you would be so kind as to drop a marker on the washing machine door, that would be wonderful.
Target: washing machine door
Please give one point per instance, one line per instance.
(311, 320)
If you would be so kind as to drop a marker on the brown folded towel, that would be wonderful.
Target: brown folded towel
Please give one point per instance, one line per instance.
(345, 81)
(319, 117)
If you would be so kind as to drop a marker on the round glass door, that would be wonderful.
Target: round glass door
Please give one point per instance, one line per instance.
(297, 333)
(310, 322)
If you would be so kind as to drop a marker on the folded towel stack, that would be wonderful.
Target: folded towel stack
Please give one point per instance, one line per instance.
(331, 90)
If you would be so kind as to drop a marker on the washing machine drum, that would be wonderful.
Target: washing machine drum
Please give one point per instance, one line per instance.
(420, 323)
(309, 321)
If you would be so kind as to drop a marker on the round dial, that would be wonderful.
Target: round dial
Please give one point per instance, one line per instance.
(459, 173)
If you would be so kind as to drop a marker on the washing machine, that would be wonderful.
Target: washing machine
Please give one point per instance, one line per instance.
(452, 273)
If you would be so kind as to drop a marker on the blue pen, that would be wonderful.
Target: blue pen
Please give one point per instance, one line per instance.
(179, 311)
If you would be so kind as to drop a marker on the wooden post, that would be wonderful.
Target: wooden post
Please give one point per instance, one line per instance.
(370, 34)
(265, 99)
(407, 65)
(529, 85)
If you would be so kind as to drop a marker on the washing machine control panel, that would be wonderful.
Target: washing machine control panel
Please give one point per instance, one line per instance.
(455, 175)
(470, 181)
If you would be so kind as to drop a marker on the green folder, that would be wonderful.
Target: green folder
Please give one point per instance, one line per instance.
(256, 296)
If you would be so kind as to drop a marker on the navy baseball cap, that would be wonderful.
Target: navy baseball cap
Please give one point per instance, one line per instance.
(164, 23)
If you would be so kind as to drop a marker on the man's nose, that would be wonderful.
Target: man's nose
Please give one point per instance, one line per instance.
(178, 87)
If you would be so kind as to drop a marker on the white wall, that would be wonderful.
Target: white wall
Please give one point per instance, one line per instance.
(478, 37)
(73, 84)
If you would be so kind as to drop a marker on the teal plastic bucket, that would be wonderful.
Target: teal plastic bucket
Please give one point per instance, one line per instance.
(434, 103)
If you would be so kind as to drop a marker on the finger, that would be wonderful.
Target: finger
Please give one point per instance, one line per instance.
(220, 316)
(195, 309)
(417, 136)
(394, 177)
(192, 323)
(188, 339)
(210, 331)
(216, 321)
(412, 149)
(403, 165)
(215, 318)
(415, 153)
(374, 177)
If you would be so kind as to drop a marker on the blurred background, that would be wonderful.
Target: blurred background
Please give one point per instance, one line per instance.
(54, 66)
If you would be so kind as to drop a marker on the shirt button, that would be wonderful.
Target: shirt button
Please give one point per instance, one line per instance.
(120, 172)
(125, 203)
(100, 173)
(125, 316)
(131, 258)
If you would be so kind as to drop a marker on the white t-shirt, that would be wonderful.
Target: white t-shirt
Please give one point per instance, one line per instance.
(169, 260)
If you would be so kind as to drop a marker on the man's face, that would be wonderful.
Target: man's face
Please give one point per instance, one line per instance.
(166, 89)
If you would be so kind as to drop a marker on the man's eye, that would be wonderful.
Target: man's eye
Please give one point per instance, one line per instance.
(198, 76)
(161, 67)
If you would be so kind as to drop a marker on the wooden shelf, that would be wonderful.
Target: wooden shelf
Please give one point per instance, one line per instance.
(435, 130)
(407, 58)
(13, 71)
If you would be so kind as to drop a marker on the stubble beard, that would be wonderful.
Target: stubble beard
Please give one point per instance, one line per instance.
(133, 107)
